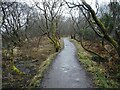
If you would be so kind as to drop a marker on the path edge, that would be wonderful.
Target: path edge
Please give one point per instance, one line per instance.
(36, 80)
(95, 71)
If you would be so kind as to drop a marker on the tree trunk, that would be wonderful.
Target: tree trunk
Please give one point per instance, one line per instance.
(111, 40)
(13, 67)
(53, 37)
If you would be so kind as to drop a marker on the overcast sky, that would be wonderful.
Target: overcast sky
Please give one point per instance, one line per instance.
(90, 2)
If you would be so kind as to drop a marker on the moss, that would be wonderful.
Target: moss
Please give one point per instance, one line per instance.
(97, 71)
(57, 46)
(15, 69)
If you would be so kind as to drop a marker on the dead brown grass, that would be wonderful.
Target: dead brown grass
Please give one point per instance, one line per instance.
(42, 52)
(28, 59)
(111, 60)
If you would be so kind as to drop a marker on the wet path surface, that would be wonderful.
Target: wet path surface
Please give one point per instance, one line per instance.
(66, 72)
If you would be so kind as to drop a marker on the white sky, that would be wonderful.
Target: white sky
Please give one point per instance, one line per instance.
(90, 2)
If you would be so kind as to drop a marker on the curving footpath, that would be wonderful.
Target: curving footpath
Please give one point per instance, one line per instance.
(66, 71)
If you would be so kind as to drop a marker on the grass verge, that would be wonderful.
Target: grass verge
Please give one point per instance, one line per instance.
(36, 81)
(97, 71)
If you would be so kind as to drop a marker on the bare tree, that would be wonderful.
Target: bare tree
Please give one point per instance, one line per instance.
(102, 31)
(14, 22)
(51, 12)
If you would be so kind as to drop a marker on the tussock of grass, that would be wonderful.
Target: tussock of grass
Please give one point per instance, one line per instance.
(97, 71)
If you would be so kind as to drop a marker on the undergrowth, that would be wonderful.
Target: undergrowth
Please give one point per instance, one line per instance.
(98, 72)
